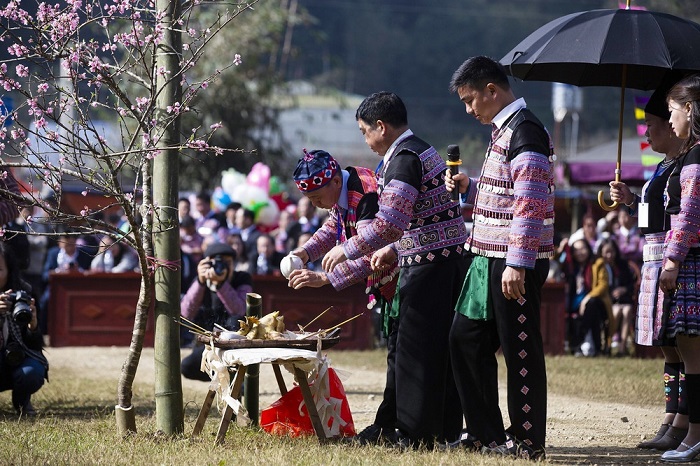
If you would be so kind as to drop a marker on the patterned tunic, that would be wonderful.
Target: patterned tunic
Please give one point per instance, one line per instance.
(425, 221)
(513, 202)
(683, 314)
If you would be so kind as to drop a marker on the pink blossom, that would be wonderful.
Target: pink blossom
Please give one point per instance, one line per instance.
(85, 211)
(84, 193)
(215, 126)
(42, 88)
(22, 71)
(237, 60)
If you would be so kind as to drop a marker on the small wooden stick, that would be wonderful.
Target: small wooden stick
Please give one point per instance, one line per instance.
(331, 328)
(192, 324)
(314, 319)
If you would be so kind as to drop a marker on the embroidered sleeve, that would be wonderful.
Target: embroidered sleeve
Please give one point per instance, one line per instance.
(324, 239)
(395, 213)
(687, 224)
(531, 174)
(470, 196)
(350, 272)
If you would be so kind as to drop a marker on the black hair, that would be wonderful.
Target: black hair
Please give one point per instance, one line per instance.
(247, 213)
(687, 90)
(477, 72)
(14, 274)
(385, 106)
(204, 196)
(187, 222)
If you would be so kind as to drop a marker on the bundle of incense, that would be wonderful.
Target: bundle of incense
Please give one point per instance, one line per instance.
(314, 319)
(330, 328)
(192, 327)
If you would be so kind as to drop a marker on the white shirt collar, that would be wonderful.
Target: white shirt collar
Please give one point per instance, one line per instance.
(393, 146)
(507, 111)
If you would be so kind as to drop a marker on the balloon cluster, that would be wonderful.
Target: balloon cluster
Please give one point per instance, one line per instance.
(258, 191)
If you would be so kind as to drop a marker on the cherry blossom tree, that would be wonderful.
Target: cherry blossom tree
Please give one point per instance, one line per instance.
(92, 93)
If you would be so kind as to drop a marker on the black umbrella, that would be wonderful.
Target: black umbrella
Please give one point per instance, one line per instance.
(620, 48)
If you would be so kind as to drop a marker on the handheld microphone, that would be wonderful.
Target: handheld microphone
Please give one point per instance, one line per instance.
(453, 163)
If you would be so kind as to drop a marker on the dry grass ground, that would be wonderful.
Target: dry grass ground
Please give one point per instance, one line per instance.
(598, 410)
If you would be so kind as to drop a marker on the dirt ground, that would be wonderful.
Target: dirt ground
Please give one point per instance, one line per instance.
(579, 432)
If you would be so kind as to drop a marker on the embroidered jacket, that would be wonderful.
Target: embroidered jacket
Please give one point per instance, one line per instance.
(514, 196)
(362, 207)
(415, 209)
(684, 206)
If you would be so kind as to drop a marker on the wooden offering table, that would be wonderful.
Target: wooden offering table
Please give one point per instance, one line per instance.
(219, 361)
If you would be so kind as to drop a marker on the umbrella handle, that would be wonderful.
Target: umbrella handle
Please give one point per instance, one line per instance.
(603, 205)
(601, 195)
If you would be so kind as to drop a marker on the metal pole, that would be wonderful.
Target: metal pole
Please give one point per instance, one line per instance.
(251, 383)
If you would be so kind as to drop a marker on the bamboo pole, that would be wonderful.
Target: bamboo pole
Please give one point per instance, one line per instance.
(166, 236)
(251, 385)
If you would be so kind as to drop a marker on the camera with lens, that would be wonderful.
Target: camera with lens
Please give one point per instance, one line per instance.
(219, 265)
(21, 307)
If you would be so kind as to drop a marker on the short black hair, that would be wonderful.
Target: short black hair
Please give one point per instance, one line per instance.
(234, 205)
(204, 196)
(385, 106)
(477, 72)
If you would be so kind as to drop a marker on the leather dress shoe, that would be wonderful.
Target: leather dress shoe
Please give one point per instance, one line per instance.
(671, 439)
(651, 444)
(675, 456)
(374, 435)
(466, 441)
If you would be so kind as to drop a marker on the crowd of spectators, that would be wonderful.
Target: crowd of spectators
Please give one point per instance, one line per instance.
(600, 265)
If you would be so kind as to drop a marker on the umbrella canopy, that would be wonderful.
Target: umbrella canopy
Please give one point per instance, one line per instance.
(621, 48)
(590, 48)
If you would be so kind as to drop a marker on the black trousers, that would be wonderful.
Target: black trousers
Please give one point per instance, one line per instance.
(427, 403)
(386, 413)
(515, 329)
(190, 365)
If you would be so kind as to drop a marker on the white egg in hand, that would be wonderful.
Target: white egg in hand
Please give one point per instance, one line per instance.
(290, 263)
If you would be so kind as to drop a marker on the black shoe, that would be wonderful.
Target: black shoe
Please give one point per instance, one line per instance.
(26, 410)
(375, 435)
(466, 441)
(515, 448)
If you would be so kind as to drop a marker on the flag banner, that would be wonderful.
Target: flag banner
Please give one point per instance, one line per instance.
(651, 159)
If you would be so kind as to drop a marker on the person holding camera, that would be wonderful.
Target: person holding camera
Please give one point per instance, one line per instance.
(23, 366)
(216, 297)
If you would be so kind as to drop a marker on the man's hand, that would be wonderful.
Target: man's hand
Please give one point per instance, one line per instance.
(334, 257)
(305, 277)
(301, 254)
(513, 282)
(460, 179)
(383, 258)
(5, 304)
(205, 272)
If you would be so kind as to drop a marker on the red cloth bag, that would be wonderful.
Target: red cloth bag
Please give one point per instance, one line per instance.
(283, 417)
